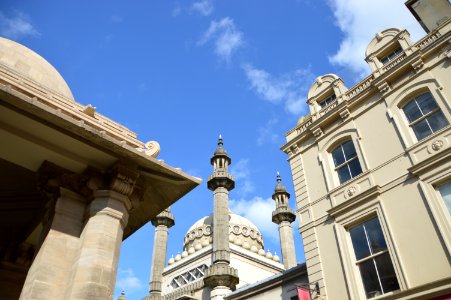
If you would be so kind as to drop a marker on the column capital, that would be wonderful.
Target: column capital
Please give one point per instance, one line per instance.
(110, 203)
(123, 179)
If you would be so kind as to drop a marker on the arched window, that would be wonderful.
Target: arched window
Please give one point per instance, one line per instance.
(424, 115)
(346, 161)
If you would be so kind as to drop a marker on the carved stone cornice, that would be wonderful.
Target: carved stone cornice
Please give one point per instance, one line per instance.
(221, 275)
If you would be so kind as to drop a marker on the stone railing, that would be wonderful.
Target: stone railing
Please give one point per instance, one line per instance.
(426, 41)
(62, 106)
(394, 62)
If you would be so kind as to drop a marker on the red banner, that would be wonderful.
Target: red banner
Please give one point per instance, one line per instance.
(303, 294)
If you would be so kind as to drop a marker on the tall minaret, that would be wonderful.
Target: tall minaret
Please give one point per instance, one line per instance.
(162, 223)
(284, 216)
(220, 277)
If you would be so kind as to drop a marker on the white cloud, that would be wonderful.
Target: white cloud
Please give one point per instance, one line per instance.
(17, 26)
(203, 7)
(227, 39)
(127, 281)
(177, 10)
(360, 20)
(289, 89)
(259, 211)
(241, 172)
(116, 19)
(267, 134)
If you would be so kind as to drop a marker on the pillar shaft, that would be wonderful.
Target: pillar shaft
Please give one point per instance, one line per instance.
(221, 249)
(94, 273)
(48, 275)
(287, 244)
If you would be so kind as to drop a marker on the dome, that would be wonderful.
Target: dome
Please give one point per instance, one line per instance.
(242, 232)
(32, 66)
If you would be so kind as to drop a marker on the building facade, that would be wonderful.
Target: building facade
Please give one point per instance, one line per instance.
(73, 185)
(371, 168)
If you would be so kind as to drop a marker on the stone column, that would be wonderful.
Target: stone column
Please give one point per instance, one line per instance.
(284, 216)
(94, 272)
(48, 276)
(220, 276)
(162, 223)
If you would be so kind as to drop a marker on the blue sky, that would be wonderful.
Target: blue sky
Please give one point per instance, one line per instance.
(182, 72)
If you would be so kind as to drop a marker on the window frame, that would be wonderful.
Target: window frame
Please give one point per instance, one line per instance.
(372, 256)
(396, 101)
(327, 101)
(346, 162)
(325, 157)
(351, 218)
(423, 116)
(391, 55)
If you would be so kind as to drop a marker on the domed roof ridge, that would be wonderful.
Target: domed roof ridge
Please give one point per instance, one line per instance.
(241, 230)
(27, 63)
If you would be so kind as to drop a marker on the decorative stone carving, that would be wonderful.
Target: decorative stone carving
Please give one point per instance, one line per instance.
(123, 180)
(317, 132)
(351, 191)
(418, 64)
(384, 87)
(152, 148)
(89, 110)
(344, 113)
(437, 145)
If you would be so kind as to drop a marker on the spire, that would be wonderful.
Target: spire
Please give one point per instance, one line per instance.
(122, 296)
(284, 216)
(220, 277)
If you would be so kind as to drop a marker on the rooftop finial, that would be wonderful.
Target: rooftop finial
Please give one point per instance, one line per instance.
(220, 141)
(278, 177)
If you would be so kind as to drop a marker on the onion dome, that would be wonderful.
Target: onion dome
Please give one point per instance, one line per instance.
(279, 187)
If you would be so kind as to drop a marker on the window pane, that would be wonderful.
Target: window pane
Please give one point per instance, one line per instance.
(422, 129)
(359, 242)
(369, 278)
(355, 168)
(412, 111)
(343, 174)
(445, 191)
(338, 156)
(426, 103)
(349, 150)
(386, 272)
(437, 121)
(375, 235)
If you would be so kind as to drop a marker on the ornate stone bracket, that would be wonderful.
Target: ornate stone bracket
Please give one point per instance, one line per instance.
(225, 181)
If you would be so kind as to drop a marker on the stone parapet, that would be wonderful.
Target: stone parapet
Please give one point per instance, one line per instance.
(220, 180)
(221, 275)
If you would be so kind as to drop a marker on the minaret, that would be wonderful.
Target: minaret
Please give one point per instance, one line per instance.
(220, 277)
(284, 216)
(162, 223)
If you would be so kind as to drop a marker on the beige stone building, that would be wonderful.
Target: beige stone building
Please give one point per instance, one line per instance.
(73, 185)
(371, 167)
